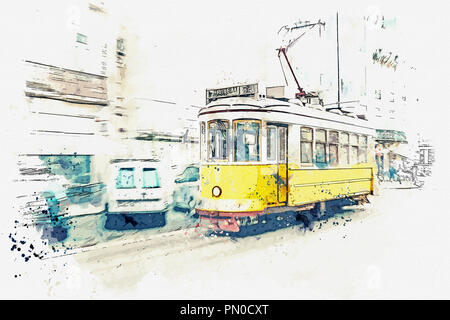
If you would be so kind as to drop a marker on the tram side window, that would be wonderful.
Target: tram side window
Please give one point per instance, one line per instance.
(202, 140)
(344, 152)
(321, 142)
(362, 151)
(271, 143)
(282, 142)
(334, 148)
(306, 141)
(246, 140)
(218, 139)
(353, 149)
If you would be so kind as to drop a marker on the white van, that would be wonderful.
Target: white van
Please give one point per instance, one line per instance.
(139, 186)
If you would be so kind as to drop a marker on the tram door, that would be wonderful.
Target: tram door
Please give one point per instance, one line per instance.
(277, 150)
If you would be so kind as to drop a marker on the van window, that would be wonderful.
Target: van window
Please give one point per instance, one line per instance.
(125, 178)
(150, 178)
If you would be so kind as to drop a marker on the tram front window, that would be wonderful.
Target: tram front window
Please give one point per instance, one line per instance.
(218, 138)
(246, 142)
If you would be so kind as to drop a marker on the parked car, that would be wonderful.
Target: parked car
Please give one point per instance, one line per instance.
(139, 194)
(186, 195)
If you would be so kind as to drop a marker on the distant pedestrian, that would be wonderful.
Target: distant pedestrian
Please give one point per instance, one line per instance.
(394, 170)
(379, 157)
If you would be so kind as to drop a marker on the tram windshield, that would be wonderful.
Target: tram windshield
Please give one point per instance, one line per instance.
(218, 138)
(246, 143)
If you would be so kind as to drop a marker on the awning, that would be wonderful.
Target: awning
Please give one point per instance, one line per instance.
(404, 150)
(390, 136)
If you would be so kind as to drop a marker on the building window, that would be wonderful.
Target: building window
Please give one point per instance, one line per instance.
(333, 139)
(218, 139)
(430, 156)
(378, 94)
(422, 156)
(246, 140)
(81, 38)
(344, 148)
(120, 46)
(306, 140)
(321, 143)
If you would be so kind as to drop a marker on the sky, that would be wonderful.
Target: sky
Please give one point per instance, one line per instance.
(189, 46)
(194, 45)
(185, 47)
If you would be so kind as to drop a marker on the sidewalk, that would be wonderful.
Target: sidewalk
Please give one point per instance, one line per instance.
(383, 185)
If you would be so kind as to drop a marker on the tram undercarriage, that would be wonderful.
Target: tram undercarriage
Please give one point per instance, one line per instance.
(241, 224)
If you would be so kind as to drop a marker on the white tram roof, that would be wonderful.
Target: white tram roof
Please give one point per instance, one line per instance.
(285, 111)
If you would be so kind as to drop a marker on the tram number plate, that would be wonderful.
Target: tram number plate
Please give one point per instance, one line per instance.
(235, 91)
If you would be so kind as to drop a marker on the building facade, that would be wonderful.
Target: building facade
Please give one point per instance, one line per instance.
(69, 76)
(76, 111)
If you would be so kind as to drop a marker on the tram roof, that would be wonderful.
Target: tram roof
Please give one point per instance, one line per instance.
(246, 101)
(290, 107)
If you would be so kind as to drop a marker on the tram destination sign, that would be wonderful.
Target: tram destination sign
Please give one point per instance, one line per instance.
(235, 91)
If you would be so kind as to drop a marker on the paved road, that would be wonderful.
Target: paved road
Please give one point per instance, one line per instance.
(395, 247)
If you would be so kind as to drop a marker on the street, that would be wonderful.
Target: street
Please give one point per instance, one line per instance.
(395, 247)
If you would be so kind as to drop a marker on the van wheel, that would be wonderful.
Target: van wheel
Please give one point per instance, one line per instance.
(306, 218)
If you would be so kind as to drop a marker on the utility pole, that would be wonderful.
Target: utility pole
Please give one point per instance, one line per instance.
(338, 75)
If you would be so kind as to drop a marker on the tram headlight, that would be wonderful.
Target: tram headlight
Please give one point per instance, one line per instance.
(216, 191)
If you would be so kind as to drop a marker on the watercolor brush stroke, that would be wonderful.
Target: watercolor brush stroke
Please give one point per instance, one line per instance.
(210, 150)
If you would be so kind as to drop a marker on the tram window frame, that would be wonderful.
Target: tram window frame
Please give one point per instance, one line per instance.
(305, 141)
(344, 146)
(335, 144)
(257, 142)
(354, 145)
(323, 145)
(273, 143)
(282, 143)
(362, 151)
(202, 140)
(225, 152)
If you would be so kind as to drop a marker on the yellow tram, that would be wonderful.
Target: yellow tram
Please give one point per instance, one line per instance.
(261, 157)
